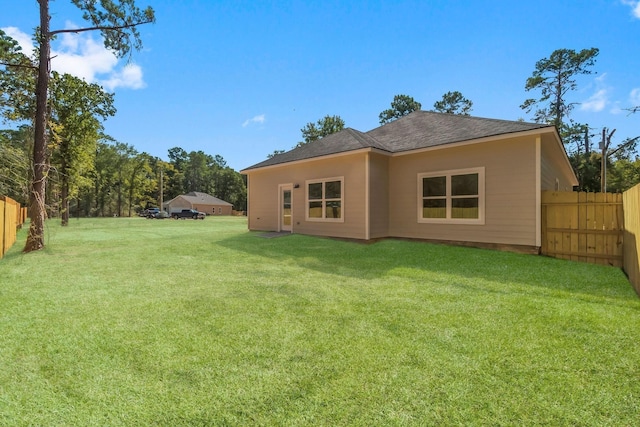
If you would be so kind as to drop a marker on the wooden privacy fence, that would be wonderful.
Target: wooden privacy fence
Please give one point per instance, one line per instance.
(12, 216)
(586, 227)
(631, 202)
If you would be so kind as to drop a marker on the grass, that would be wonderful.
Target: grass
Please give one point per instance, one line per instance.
(144, 322)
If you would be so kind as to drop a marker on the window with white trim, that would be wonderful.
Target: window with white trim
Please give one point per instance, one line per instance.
(455, 196)
(325, 199)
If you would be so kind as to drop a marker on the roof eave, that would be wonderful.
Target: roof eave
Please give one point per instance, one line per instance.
(310, 159)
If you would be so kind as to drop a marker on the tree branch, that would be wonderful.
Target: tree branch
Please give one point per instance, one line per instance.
(624, 145)
(33, 67)
(100, 27)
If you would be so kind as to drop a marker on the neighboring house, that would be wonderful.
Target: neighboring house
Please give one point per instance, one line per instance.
(202, 202)
(425, 176)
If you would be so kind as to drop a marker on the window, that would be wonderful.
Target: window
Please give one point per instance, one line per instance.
(452, 196)
(324, 199)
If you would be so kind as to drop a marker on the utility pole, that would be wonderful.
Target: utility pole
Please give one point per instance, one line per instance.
(161, 187)
(605, 143)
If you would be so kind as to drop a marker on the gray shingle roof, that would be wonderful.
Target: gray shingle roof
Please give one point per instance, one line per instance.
(204, 198)
(420, 129)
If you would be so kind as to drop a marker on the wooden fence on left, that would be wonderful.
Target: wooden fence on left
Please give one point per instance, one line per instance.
(12, 216)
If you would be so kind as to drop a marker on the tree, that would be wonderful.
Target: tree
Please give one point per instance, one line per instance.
(622, 151)
(76, 110)
(17, 82)
(323, 127)
(231, 188)
(139, 181)
(624, 174)
(198, 171)
(555, 77)
(275, 153)
(117, 22)
(14, 163)
(400, 106)
(453, 103)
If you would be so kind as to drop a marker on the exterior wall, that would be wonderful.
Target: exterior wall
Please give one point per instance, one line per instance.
(178, 204)
(263, 196)
(213, 209)
(378, 196)
(551, 168)
(510, 192)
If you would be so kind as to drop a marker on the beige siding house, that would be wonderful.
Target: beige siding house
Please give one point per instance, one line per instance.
(426, 176)
(202, 202)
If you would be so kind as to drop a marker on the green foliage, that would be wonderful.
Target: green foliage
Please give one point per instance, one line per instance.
(587, 168)
(453, 103)
(400, 106)
(198, 171)
(127, 321)
(275, 153)
(14, 163)
(554, 78)
(116, 21)
(76, 111)
(577, 137)
(623, 175)
(323, 127)
(17, 82)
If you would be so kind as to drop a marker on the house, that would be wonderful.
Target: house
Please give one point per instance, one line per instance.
(202, 202)
(426, 176)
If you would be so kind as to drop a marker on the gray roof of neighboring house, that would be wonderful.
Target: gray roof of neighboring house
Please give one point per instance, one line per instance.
(201, 199)
(420, 129)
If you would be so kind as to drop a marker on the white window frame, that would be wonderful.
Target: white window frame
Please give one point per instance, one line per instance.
(324, 199)
(448, 174)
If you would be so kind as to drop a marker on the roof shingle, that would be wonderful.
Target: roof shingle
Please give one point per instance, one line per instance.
(420, 129)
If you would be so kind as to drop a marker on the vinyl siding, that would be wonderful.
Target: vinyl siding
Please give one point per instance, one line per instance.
(263, 196)
(378, 195)
(510, 201)
(213, 209)
(551, 168)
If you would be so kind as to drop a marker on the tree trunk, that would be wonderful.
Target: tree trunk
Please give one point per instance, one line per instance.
(37, 211)
(64, 196)
(64, 186)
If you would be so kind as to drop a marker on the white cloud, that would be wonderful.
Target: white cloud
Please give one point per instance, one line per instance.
(596, 102)
(23, 39)
(635, 7)
(130, 77)
(82, 56)
(257, 119)
(600, 99)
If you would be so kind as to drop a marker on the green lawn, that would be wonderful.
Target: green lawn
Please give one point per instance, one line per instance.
(127, 321)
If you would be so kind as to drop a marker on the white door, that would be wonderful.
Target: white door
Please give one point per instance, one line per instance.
(285, 208)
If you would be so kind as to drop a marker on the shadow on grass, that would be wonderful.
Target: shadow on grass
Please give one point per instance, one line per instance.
(470, 269)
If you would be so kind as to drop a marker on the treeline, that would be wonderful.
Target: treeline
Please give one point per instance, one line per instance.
(72, 167)
(114, 178)
(600, 163)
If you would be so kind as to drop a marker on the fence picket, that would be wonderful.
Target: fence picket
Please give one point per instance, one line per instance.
(12, 216)
(631, 203)
(583, 227)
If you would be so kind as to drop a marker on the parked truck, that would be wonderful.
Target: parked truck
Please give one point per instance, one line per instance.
(187, 214)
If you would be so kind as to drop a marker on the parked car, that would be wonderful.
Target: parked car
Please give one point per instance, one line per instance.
(162, 215)
(151, 212)
(188, 213)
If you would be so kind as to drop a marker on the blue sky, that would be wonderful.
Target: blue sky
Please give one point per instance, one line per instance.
(241, 78)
